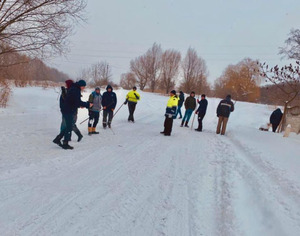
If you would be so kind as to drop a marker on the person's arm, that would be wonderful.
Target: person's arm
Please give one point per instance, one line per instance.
(232, 107)
(136, 94)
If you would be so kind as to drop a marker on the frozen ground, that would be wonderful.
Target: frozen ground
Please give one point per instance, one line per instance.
(138, 182)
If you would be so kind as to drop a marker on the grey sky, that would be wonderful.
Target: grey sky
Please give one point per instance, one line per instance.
(222, 31)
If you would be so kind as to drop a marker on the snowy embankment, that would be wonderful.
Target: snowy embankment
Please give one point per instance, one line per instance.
(138, 182)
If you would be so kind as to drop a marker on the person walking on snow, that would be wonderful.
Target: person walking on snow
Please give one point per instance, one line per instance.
(71, 103)
(170, 113)
(224, 109)
(109, 102)
(180, 103)
(201, 111)
(275, 119)
(58, 138)
(132, 98)
(94, 111)
(190, 105)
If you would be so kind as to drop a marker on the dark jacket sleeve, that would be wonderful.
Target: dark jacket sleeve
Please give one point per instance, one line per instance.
(218, 109)
(232, 107)
(115, 101)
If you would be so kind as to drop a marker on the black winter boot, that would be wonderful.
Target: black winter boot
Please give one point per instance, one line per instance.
(57, 140)
(66, 145)
(182, 124)
(186, 124)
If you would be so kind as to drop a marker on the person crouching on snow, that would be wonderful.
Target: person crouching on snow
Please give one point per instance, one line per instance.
(94, 112)
(170, 113)
(132, 98)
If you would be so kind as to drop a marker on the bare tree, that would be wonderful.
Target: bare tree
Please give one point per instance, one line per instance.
(39, 27)
(292, 45)
(100, 73)
(287, 80)
(170, 63)
(241, 81)
(138, 66)
(128, 80)
(194, 72)
(153, 62)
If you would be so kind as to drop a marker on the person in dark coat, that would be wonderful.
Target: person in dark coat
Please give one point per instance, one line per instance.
(63, 95)
(190, 105)
(70, 105)
(275, 119)
(180, 103)
(201, 111)
(109, 102)
(224, 109)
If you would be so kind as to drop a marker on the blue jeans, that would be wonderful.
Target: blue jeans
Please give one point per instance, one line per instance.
(187, 115)
(178, 111)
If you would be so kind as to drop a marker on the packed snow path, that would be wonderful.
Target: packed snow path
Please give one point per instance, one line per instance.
(138, 182)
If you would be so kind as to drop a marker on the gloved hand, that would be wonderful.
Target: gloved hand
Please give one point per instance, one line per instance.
(125, 102)
(170, 115)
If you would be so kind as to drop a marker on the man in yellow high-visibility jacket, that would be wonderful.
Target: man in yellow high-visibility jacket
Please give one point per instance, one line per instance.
(132, 98)
(170, 113)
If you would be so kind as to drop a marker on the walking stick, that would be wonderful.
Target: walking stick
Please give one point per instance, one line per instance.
(194, 115)
(89, 117)
(118, 110)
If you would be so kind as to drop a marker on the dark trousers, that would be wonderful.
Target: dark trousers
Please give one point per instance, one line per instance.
(93, 116)
(109, 114)
(168, 125)
(274, 127)
(131, 108)
(69, 119)
(200, 118)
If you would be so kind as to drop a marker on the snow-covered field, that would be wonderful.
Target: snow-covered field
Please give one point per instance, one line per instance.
(138, 182)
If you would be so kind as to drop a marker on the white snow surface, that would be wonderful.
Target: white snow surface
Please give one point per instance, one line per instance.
(139, 182)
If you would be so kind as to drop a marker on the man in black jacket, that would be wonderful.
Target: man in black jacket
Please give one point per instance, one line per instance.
(275, 119)
(69, 107)
(109, 102)
(201, 111)
(224, 109)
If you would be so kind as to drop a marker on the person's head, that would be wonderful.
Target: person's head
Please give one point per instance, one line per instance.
(97, 90)
(203, 96)
(69, 83)
(81, 83)
(172, 93)
(228, 97)
(109, 88)
(192, 94)
(134, 88)
(181, 92)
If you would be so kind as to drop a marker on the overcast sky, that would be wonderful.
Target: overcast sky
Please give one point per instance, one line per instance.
(222, 31)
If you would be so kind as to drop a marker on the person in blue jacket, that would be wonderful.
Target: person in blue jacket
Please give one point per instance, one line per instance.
(109, 102)
(201, 111)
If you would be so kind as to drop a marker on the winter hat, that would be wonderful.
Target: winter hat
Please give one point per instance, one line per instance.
(203, 95)
(81, 83)
(173, 92)
(109, 87)
(69, 83)
(134, 87)
(97, 88)
(228, 97)
(192, 92)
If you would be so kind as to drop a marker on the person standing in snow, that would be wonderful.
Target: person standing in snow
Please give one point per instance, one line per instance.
(170, 113)
(94, 112)
(132, 98)
(201, 111)
(180, 103)
(58, 138)
(224, 109)
(190, 105)
(275, 119)
(109, 102)
(70, 105)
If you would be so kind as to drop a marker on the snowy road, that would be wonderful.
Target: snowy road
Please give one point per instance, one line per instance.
(138, 182)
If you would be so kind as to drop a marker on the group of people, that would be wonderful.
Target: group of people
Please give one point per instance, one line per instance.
(175, 103)
(70, 101)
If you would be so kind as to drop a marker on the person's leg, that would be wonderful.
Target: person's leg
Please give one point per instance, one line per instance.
(110, 117)
(68, 131)
(184, 117)
(96, 120)
(200, 118)
(133, 109)
(189, 114)
(168, 126)
(130, 108)
(225, 120)
(274, 127)
(90, 122)
(219, 124)
(61, 133)
(179, 112)
(104, 122)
